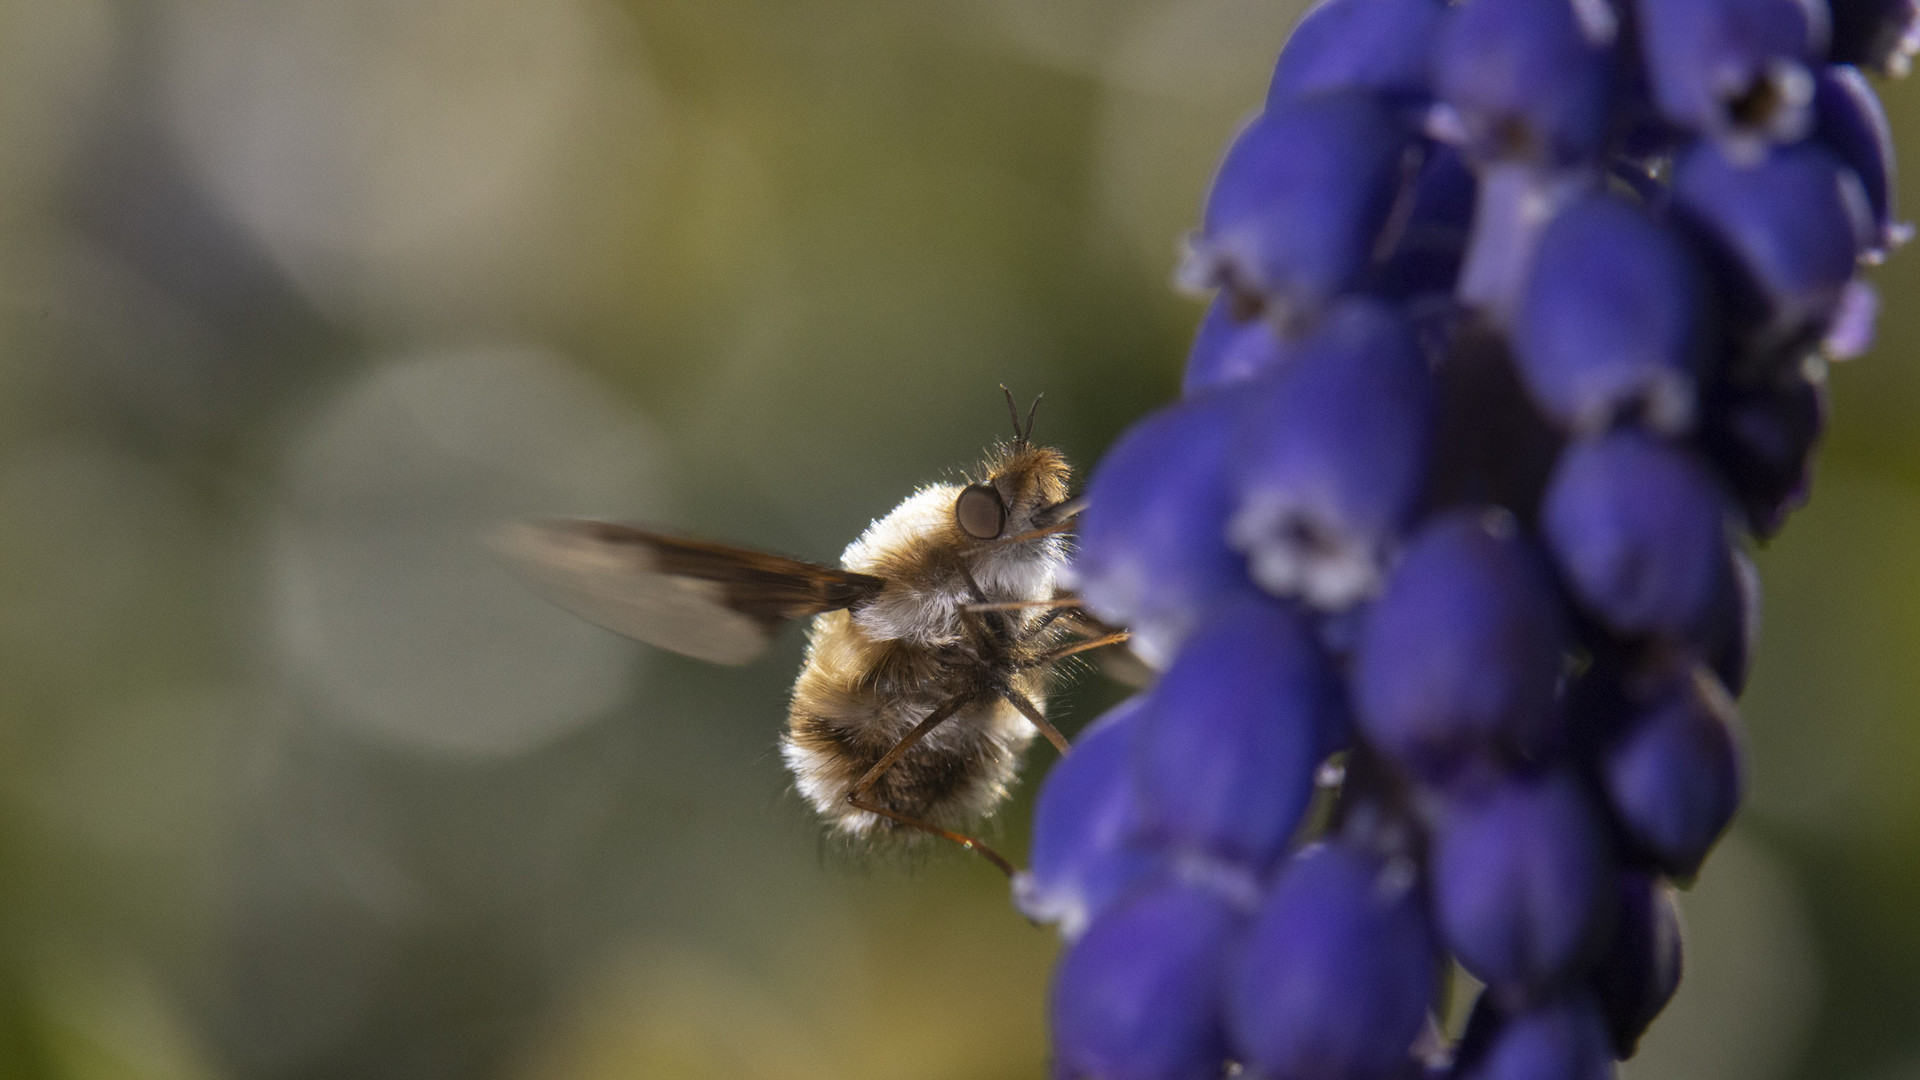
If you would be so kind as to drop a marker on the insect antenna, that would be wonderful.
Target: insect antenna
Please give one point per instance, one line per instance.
(1013, 413)
(1021, 432)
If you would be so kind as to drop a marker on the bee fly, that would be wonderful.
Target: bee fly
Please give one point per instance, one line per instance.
(931, 647)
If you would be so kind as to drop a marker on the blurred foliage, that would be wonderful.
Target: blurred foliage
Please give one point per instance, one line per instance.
(295, 299)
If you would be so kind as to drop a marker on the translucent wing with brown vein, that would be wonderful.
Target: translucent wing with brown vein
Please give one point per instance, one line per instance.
(708, 601)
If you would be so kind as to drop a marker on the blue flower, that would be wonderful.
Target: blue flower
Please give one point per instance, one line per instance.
(1637, 526)
(1300, 202)
(1461, 656)
(1674, 776)
(1519, 339)
(1229, 349)
(1786, 233)
(1614, 321)
(1330, 457)
(1153, 546)
(1738, 70)
(1763, 437)
(1733, 627)
(1640, 970)
(1225, 754)
(1083, 857)
(1338, 972)
(1358, 44)
(1522, 880)
(1849, 120)
(1139, 996)
(1528, 79)
(1564, 1040)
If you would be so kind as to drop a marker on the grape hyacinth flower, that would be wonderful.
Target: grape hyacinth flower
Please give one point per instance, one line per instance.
(1521, 319)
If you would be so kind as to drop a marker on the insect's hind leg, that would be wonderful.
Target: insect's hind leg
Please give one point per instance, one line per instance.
(972, 844)
(860, 795)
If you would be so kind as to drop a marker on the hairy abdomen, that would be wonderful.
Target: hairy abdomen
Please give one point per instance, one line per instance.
(856, 698)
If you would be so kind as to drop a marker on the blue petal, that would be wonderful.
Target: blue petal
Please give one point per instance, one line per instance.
(1739, 70)
(1338, 972)
(1763, 440)
(1330, 456)
(1081, 861)
(1641, 968)
(1462, 654)
(1563, 1040)
(1522, 880)
(1674, 778)
(1638, 529)
(1786, 233)
(1365, 44)
(1138, 997)
(1849, 120)
(1614, 320)
(1224, 757)
(1229, 349)
(1299, 203)
(1850, 332)
(1527, 78)
(1153, 550)
(1733, 626)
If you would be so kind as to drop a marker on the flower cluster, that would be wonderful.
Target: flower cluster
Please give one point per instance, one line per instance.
(1520, 323)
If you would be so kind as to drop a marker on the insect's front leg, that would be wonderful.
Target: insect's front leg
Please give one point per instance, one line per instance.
(1046, 621)
(992, 617)
(1032, 712)
(1091, 633)
(1116, 637)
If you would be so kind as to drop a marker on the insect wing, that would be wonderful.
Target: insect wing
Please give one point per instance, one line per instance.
(708, 601)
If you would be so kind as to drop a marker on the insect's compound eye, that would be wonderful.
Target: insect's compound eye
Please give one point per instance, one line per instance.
(980, 512)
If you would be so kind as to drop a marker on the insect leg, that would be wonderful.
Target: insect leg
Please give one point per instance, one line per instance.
(1057, 603)
(860, 797)
(1115, 638)
(1001, 629)
(973, 587)
(1048, 620)
(1123, 666)
(970, 843)
(1032, 713)
(1081, 614)
(907, 742)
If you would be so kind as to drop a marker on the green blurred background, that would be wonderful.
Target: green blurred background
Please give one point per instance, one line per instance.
(296, 298)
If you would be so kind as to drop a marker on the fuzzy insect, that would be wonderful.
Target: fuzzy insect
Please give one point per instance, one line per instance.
(931, 648)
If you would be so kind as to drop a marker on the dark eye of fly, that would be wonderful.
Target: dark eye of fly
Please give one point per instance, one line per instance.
(980, 512)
